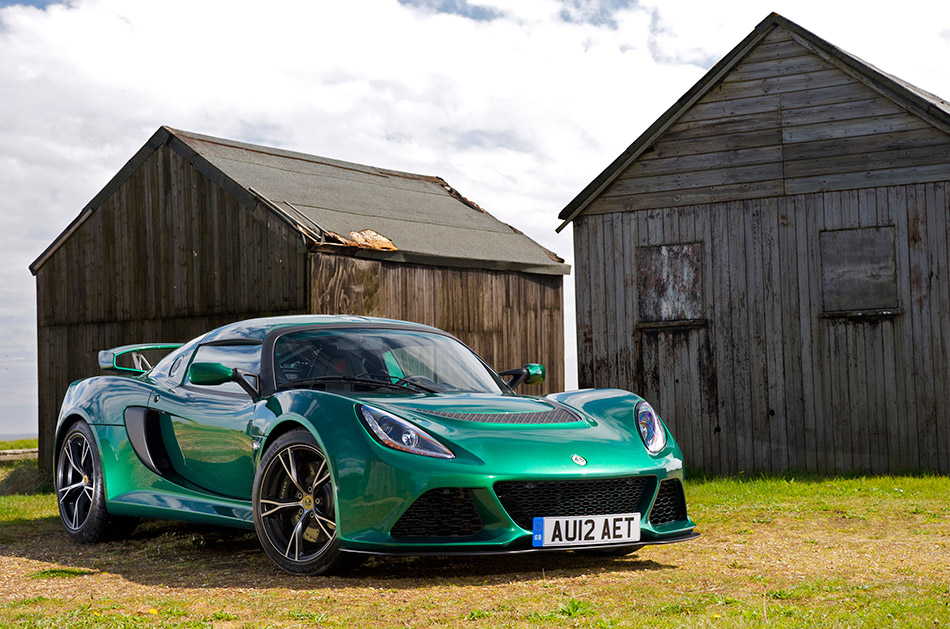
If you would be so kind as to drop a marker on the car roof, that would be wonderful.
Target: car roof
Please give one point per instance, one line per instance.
(257, 329)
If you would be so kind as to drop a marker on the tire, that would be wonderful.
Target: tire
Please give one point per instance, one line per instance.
(294, 504)
(620, 551)
(80, 490)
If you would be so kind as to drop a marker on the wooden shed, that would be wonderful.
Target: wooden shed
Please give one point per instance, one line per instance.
(195, 232)
(768, 263)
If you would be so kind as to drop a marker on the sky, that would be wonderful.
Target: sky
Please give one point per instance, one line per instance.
(518, 105)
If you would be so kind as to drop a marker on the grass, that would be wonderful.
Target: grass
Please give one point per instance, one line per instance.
(790, 551)
(24, 477)
(20, 444)
(60, 573)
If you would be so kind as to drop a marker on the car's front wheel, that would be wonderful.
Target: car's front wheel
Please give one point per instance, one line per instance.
(80, 490)
(295, 507)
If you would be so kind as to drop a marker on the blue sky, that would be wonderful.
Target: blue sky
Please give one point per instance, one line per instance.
(39, 4)
(517, 105)
(461, 8)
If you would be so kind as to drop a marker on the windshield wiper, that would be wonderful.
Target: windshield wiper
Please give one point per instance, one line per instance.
(406, 384)
(415, 385)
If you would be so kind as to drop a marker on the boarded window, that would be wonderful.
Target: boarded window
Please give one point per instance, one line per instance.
(858, 269)
(670, 282)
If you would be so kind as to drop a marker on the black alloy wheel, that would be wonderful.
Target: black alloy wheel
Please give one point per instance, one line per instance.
(80, 490)
(295, 507)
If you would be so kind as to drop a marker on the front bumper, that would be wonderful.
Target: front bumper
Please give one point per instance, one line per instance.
(476, 516)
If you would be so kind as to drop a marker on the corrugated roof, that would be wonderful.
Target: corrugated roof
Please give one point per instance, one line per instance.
(924, 104)
(423, 219)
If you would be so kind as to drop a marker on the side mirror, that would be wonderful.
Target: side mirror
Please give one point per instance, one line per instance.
(532, 373)
(210, 374)
(213, 374)
(535, 375)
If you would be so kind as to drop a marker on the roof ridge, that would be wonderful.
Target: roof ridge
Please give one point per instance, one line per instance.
(296, 155)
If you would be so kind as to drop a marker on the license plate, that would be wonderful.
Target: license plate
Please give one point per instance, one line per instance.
(585, 530)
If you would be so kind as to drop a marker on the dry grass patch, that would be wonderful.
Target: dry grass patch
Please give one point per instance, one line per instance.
(24, 477)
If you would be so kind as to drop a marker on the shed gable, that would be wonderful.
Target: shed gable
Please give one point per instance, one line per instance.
(786, 119)
(169, 243)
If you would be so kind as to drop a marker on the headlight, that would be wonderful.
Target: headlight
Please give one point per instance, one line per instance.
(399, 434)
(651, 428)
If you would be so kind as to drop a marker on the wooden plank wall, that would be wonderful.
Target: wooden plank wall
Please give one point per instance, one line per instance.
(508, 318)
(168, 256)
(786, 120)
(768, 384)
(787, 144)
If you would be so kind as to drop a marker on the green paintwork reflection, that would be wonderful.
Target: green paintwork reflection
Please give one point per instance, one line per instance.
(226, 469)
(209, 437)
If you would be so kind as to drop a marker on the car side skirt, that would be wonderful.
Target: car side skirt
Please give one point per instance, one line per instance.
(166, 506)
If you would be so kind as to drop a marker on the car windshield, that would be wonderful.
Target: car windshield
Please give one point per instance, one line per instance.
(392, 359)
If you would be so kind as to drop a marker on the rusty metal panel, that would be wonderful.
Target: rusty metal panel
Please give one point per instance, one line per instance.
(670, 282)
(858, 269)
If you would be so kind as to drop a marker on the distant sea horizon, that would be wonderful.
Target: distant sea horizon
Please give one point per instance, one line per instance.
(13, 436)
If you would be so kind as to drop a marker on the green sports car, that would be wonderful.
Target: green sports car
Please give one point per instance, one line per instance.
(335, 437)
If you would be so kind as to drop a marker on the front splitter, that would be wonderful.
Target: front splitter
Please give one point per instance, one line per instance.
(519, 551)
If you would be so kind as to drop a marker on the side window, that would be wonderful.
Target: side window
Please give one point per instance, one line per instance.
(170, 369)
(245, 357)
(176, 367)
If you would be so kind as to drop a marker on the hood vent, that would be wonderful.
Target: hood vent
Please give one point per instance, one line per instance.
(557, 415)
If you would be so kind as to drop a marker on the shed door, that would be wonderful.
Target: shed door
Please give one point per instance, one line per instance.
(673, 351)
(859, 324)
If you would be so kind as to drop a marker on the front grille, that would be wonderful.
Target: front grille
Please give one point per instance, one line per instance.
(526, 500)
(446, 512)
(670, 504)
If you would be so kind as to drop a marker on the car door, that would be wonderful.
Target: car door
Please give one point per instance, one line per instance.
(207, 430)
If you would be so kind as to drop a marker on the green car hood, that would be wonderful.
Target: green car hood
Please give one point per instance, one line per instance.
(503, 432)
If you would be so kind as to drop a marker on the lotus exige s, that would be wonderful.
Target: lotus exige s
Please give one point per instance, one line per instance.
(335, 437)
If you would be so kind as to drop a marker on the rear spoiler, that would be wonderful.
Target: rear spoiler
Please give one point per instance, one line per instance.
(108, 358)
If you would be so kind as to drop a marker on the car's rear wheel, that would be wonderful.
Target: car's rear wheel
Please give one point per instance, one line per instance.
(295, 507)
(619, 551)
(80, 490)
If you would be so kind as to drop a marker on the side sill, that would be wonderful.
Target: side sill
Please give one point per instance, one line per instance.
(171, 507)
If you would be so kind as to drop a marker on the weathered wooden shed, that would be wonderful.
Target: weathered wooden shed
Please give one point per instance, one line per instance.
(197, 231)
(768, 262)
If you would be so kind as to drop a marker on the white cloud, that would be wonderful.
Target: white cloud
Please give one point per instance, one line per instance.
(518, 112)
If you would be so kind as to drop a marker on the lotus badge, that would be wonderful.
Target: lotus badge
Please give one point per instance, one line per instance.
(579, 459)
